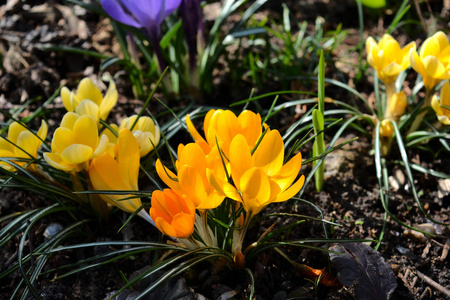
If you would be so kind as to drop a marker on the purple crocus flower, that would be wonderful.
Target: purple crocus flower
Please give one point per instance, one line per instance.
(144, 14)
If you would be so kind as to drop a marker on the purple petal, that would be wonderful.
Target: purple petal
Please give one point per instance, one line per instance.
(115, 9)
(170, 7)
(146, 11)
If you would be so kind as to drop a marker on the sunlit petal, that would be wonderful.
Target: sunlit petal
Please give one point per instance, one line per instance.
(270, 153)
(129, 158)
(69, 119)
(88, 90)
(62, 138)
(88, 107)
(76, 154)
(102, 146)
(85, 131)
(65, 97)
(57, 162)
(109, 101)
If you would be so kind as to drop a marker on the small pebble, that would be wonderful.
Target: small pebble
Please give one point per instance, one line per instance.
(52, 230)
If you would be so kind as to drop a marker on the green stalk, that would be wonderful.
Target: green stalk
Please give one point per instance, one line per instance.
(317, 114)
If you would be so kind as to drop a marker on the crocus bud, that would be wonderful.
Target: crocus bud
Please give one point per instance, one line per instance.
(386, 129)
(173, 214)
(398, 104)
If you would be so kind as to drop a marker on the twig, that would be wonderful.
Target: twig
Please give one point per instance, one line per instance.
(419, 14)
(433, 283)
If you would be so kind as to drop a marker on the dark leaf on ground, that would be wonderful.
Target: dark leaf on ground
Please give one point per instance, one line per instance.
(364, 269)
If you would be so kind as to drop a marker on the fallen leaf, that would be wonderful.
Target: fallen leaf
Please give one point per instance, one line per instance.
(361, 267)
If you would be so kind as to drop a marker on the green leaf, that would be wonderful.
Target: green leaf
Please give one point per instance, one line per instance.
(373, 3)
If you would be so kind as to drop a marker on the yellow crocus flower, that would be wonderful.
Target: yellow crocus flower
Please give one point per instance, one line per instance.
(442, 113)
(88, 100)
(75, 143)
(221, 126)
(145, 131)
(433, 60)
(261, 178)
(120, 174)
(192, 165)
(21, 143)
(174, 215)
(387, 57)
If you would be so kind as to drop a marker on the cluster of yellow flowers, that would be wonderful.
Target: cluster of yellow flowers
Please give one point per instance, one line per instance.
(239, 158)
(110, 158)
(432, 63)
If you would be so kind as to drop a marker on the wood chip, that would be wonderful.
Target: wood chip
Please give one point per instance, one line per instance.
(445, 250)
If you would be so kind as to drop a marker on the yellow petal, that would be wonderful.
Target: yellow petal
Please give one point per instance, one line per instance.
(7, 147)
(109, 101)
(129, 158)
(104, 173)
(111, 136)
(144, 138)
(445, 94)
(212, 114)
(416, 62)
(251, 126)
(88, 107)
(392, 50)
(14, 130)
(436, 106)
(370, 42)
(29, 143)
(393, 69)
(76, 154)
(444, 120)
(43, 130)
(57, 162)
(430, 48)
(168, 177)
(88, 90)
(405, 57)
(442, 39)
(433, 67)
(145, 124)
(158, 208)
(288, 172)
(194, 133)
(385, 39)
(85, 131)
(193, 184)
(240, 158)
(62, 138)
(270, 153)
(255, 187)
(223, 187)
(69, 119)
(192, 155)
(102, 146)
(183, 224)
(291, 191)
(65, 97)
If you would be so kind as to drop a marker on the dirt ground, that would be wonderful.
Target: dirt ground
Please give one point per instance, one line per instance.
(350, 196)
